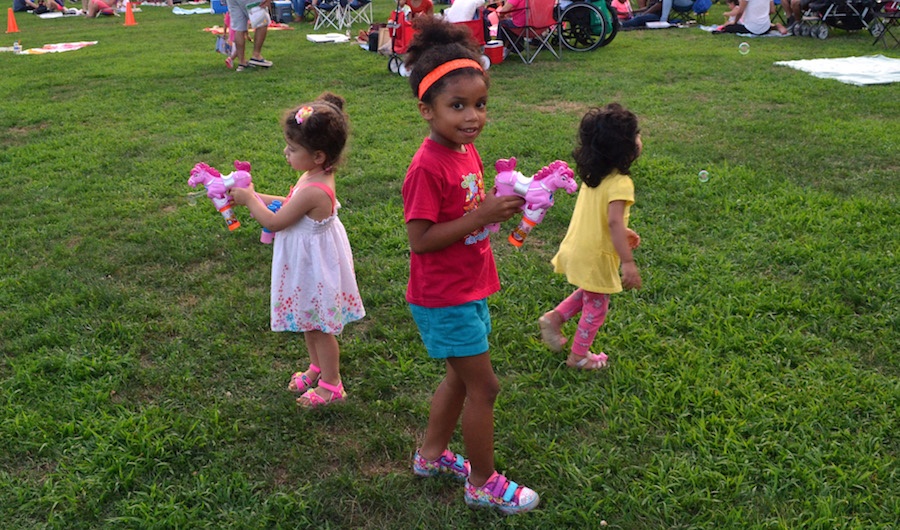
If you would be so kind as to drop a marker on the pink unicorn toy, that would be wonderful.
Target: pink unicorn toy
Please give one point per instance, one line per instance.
(217, 187)
(537, 192)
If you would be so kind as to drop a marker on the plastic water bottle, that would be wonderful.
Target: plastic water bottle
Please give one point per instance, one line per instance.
(17, 48)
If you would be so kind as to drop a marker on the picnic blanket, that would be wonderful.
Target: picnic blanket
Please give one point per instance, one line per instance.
(71, 12)
(57, 48)
(195, 11)
(328, 37)
(273, 26)
(859, 71)
(771, 33)
(166, 4)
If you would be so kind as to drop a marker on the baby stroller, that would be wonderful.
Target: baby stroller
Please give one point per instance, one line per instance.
(586, 25)
(401, 32)
(848, 15)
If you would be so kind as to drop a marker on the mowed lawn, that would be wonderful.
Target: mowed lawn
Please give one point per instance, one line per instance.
(753, 380)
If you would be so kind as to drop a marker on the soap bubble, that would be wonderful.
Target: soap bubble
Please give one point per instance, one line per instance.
(703, 175)
(194, 195)
(744, 48)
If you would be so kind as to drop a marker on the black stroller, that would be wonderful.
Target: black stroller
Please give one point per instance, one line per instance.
(847, 15)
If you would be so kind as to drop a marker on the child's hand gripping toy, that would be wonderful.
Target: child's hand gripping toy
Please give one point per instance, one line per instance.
(537, 192)
(217, 187)
(267, 236)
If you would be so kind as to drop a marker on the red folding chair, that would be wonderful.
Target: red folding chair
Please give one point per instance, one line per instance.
(538, 33)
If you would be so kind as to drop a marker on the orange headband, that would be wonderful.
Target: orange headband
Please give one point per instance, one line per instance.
(445, 69)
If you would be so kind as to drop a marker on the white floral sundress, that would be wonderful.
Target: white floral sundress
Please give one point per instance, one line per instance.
(313, 281)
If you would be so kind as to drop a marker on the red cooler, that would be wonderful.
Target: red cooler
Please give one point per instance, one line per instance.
(494, 51)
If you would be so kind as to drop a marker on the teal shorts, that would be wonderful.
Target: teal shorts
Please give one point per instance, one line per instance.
(455, 331)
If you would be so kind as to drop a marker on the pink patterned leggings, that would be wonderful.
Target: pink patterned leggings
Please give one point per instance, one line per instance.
(593, 308)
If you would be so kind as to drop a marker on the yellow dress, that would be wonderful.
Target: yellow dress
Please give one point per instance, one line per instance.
(586, 255)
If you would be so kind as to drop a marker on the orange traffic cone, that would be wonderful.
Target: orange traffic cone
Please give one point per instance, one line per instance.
(11, 26)
(129, 15)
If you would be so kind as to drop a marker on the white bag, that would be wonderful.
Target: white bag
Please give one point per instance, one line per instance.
(259, 17)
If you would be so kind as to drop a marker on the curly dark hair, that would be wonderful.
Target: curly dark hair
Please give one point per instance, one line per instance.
(435, 43)
(607, 140)
(326, 129)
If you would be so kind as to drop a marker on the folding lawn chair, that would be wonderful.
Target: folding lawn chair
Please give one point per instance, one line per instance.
(358, 11)
(778, 15)
(886, 23)
(538, 33)
(329, 14)
(690, 11)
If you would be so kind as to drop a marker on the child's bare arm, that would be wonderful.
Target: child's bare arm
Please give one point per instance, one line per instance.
(631, 278)
(269, 198)
(426, 236)
(301, 203)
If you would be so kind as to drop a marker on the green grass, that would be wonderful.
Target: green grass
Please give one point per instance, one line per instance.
(754, 379)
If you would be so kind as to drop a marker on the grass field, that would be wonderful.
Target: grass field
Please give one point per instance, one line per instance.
(753, 381)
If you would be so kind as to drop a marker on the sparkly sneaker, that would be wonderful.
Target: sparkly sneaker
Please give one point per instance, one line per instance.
(500, 493)
(449, 463)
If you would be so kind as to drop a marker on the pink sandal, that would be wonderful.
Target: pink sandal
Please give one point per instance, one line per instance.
(311, 400)
(301, 382)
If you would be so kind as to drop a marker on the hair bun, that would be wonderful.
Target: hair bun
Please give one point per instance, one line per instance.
(332, 99)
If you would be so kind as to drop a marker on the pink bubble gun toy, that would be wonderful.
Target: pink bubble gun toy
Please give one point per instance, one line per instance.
(217, 187)
(536, 190)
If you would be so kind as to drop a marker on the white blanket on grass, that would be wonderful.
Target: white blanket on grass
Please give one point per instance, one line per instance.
(771, 33)
(328, 37)
(859, 71)
(56, 14)
(195, 11)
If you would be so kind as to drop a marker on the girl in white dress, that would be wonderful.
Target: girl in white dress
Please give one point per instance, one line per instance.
(313, 283)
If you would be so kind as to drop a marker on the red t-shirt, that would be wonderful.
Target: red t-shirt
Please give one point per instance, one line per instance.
(442, 185)
(423, 7)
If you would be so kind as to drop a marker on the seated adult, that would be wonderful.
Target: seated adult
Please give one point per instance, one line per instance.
(418, 7)
(39, 6)
(96, 8)
(794, 10)
(24, 5)
(512, 15)
(623, 9)
(655, 11)
(753, 16)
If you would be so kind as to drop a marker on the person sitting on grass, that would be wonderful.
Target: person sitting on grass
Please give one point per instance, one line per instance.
(656, 11)
(24, 5)
(96, 8)
(753, 16)
(38, 6)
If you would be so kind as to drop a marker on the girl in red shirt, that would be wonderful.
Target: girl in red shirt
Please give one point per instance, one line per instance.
(452, 268)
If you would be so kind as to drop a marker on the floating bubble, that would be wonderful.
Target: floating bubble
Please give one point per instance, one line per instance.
(744, 48)
(193, 196)
(703, 175)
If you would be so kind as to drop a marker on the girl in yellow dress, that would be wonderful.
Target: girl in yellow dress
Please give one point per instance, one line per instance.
(598, 240)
